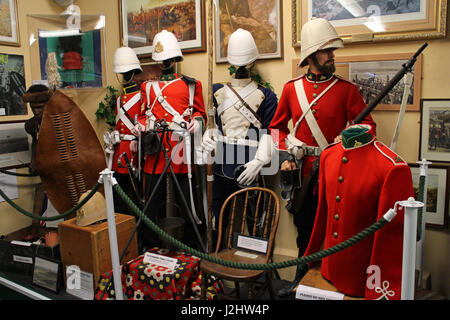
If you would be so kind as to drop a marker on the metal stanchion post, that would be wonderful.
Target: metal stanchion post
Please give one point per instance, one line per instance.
(421, 243)
(108, 181)
(409, 247)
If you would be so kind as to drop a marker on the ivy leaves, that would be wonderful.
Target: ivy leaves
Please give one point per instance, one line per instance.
(107, 108)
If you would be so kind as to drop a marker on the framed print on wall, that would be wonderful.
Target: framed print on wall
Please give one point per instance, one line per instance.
(262, 18)
(141, 20)
(12, 88)
(374, 20)
(435, 130)
(437, 197)
(15, 145)
(9, 25)
(372, 72)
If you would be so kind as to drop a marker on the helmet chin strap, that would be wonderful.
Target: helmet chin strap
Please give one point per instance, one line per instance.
(127, 77)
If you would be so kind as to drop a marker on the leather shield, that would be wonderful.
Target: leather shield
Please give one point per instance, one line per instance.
(69, 156)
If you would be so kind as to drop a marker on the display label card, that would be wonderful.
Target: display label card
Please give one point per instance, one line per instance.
(21, 243)
(251, 243)
(160, 260)
(79, 283)
(310, 293)
(246, 254)
(22, 259)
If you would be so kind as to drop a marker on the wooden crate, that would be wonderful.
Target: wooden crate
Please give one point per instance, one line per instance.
(88, 247)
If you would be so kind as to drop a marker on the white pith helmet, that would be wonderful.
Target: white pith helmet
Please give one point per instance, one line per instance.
(242, 48)
(166, 46)
(125, 60)
(318, 34)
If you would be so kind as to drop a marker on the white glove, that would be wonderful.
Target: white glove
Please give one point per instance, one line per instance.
(138, 127)
(263, 157)
(209, 141)
(194, 126)
(134, 146)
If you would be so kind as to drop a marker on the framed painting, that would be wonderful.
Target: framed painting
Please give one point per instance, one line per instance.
(374, 20)
(9, 25)
(435, 130)
(12, 87)
(372, 72)
(437, 196)
(262, 18)
(15, 145)
(141, 20)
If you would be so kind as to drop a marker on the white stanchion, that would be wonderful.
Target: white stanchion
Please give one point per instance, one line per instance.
(409, 247)
(108, 180)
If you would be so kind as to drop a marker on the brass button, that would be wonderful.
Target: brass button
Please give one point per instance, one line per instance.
(341, 179)
(314, 111)
(315, 103)
(314, 95)
(338, 198)
(344, 159)
(335, 235)
(316, 86)
(336, 217)
(166, 115)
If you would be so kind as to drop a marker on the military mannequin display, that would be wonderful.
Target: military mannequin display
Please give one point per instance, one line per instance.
(244, 109)
(320, 105)
(128, 109)
(349, 204)
(173, 106)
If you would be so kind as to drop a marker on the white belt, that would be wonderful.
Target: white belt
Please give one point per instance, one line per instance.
(238, 141)
(126, 137)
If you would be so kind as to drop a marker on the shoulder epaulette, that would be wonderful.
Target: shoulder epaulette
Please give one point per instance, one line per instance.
(388, 153)
(295, 79)
(343, 79)
(188, 80)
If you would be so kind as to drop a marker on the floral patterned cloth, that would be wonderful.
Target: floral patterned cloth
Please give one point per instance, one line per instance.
(144, 281)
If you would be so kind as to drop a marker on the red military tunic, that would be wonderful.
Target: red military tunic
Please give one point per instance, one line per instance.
(339, 105)
(357, 186)
(135, 109)
(177, 95)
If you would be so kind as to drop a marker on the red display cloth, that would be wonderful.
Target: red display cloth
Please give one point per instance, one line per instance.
(144, 281)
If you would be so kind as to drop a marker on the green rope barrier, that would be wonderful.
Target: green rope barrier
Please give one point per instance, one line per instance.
(18, 174)
(278, 265)
(420, 197)
(61, 216)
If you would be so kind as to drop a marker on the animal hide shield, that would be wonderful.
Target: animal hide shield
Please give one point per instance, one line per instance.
(69, 156)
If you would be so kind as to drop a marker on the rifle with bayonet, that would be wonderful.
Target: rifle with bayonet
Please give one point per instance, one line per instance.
(300, 194)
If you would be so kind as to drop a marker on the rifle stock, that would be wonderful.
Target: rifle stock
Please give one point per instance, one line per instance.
(300, 195)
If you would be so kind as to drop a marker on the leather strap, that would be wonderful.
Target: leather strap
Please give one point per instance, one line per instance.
(257, 117)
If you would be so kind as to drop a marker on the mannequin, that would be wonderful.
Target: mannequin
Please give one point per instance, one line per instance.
(238, 133)
(360, 179)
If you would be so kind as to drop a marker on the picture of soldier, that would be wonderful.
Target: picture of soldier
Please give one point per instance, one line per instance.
(12, 85)
(256, 16)
(178, 17)
(439, 131)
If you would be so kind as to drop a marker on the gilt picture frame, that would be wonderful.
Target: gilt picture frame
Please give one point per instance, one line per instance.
(374, 20)
(9, 24)
(141, 20)
(262, 18)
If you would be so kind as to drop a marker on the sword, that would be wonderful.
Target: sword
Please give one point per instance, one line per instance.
(139, 146)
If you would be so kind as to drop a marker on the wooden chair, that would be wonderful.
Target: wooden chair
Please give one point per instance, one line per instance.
(265, 206)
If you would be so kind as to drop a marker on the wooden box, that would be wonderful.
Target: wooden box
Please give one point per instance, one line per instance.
(88, 247)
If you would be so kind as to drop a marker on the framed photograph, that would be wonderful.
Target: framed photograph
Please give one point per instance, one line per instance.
(437, 197)
(47, 274)
(372, 72)
(9, 25)
(141, 20)
(374, 20)
(435, 130)
(262, 18)
(12, 87)
(15, 145)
